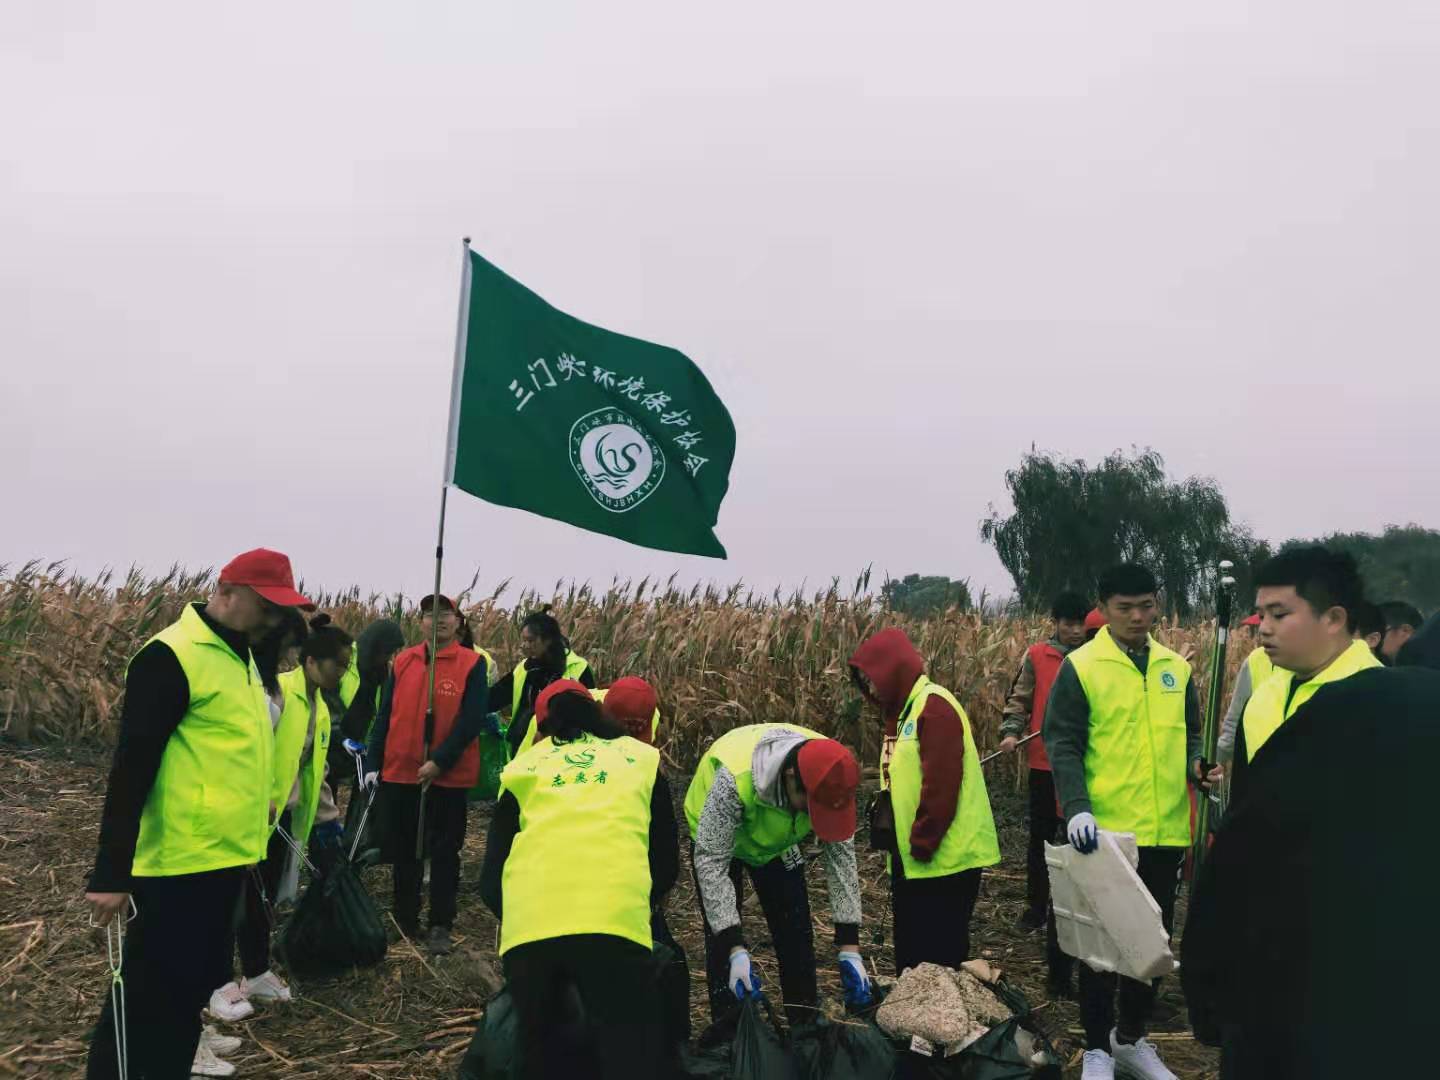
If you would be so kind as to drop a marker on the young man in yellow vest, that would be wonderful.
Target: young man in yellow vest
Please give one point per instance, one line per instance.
(758, 792)
(1122, 728)
(1306, 598)
(581, 848)
(944, 833)
(188, 807)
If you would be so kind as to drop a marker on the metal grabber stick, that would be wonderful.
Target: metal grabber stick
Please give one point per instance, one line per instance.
(115, 959)
(1018, 743)
(1210, 728)
(358, 753)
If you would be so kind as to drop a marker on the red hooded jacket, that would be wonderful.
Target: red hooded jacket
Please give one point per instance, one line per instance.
(892, 665)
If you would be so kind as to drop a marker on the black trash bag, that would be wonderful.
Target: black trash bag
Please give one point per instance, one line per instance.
(853, 1049)
(492, 1051)
(672, 983)
(370, 839)
(756, 1052)
(335, 926)
(993, 1056)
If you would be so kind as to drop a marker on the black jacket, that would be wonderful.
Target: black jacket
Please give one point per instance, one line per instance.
(1311, 916)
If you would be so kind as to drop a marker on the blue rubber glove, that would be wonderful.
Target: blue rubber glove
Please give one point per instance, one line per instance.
(1083, 833)
(743, 979)
(853, 980)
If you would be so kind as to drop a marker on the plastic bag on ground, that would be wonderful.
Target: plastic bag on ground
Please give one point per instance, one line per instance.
(491, 1055)
(756, 1051)
(335, 926)
(995, 1055)
(852, 1049)
(494, 756)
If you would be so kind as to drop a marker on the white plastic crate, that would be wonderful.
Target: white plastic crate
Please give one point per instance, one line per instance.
(1104, 915)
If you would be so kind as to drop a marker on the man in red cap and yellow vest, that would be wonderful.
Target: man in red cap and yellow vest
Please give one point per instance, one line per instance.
(943, 833)
(397, 745)
(757, 793)
(187, 809)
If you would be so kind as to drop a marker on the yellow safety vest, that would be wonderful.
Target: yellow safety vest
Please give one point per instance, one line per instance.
(210, 805)
(599, 695)
(290, 744)
(492, 674)
(574, 667)
(580, 863)
(1268, 708)
(1260, 668)
(970, 841)
(765, 831)
(1135, 757)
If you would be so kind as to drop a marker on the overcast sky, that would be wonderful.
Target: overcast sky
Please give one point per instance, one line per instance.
(905, 242)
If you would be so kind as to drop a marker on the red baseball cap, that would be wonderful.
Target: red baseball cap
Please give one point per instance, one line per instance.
(1095, 620)
(631, 702)
(428, 603)
(1250, 620)
(269, 574)
(830, 776)
(555, 689)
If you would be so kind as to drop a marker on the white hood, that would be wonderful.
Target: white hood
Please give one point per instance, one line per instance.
(766, 763)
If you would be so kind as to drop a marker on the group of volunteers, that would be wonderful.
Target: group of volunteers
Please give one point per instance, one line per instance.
(230, 755)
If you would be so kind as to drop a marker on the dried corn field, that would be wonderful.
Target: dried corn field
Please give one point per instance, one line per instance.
(719, 657)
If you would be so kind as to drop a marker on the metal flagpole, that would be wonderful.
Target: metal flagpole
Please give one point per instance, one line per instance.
(1210, 727)
(462, 325)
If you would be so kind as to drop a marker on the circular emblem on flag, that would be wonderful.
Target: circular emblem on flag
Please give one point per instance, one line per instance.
(616, 459)
(1167, 680)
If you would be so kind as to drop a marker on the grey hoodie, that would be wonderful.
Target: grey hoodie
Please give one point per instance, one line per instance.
(714, 848)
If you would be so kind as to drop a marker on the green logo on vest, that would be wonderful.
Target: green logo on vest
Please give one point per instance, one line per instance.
(909, 729)
(616, 459)
(580, 761)
(1167, 680)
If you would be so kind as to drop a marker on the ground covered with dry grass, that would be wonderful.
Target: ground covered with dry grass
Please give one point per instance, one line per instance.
(411, 1016)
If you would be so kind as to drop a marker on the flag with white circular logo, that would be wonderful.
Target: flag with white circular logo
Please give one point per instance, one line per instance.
(563, 419)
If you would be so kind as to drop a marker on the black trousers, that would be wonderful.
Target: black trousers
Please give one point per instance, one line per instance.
(1045, 823)
(785, 900)
(257, 915)
(1160, 871)
(614, 980)
(932, 916)
(178, 940)
(444, 835)
(673, 985)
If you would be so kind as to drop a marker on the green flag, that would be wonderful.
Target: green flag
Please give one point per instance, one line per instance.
(563, 419)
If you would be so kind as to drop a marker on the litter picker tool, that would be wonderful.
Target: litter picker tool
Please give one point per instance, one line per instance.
(115, 960)
(299, 854)
(358, 753)
(1210, 727)
(1018, 744)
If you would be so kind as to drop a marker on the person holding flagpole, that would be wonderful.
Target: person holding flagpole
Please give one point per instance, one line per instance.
(424, 794)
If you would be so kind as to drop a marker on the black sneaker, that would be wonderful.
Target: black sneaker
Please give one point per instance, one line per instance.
(439, 943)
(1032, 920)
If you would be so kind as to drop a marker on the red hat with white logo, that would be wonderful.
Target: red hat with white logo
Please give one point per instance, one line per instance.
(269, 574)
(830, 776)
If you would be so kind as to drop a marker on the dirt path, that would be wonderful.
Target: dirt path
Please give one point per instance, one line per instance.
(409, 1017)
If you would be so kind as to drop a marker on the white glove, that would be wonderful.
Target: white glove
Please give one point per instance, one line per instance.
(371, 781)
(1083, 833)
(742, 980)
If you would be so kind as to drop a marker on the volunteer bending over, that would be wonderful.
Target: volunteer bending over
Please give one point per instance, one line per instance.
(758, 792)
(581, 845)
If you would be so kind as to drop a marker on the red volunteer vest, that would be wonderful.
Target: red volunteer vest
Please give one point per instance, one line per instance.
(405, 741)
(1045, 661)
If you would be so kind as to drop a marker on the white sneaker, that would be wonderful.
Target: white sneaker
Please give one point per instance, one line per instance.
(219, 1044)
(1098, 1065)
(267, 987)
(1140, 1060)
(207, 1064)
(228, 1003)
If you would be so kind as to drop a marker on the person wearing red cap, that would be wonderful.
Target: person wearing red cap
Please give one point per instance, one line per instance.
(1093, 622)
(943, 832)
(630, 702)
(397, 753)
(188, 807)
(581, 849)
(757, 793)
